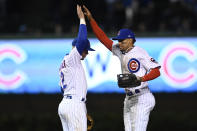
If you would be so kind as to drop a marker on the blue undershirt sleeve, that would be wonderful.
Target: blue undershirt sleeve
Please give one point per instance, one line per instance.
(82, 36)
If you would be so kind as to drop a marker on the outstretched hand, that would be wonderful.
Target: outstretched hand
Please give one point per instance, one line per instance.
(80, 12)
(87, 12)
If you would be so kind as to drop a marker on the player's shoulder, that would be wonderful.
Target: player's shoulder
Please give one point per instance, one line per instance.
(115, 48)
(115, 45)
(74, 52)
(137, 48)
(139, 51)
(66, 56)
(72, 55)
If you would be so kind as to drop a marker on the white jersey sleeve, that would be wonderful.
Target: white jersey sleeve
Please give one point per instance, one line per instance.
(116, 50)
(74, 57)
(147, 61)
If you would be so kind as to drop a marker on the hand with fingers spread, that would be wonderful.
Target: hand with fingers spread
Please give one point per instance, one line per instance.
(80, 12)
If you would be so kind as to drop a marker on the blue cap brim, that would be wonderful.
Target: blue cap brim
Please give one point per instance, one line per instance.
(90, 49)
(117, 38)
(121, 38)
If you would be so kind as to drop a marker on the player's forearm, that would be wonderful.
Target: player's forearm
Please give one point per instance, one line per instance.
(100, 34)
(82, 35)
(154, 73)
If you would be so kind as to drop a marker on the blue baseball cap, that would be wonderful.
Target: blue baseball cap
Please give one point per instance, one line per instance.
(124, 34)
(87, 46)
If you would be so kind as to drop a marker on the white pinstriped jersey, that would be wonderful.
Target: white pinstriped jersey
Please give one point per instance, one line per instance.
(136, 61)
(138, 107)
(73, 79)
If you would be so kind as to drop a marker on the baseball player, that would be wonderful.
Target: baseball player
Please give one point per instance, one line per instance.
(72, 108)
(139, 101)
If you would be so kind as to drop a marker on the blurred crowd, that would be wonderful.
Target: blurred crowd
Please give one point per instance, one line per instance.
(59, 16)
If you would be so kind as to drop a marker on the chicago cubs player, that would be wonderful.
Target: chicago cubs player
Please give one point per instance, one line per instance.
(139, 101)
(72, 108)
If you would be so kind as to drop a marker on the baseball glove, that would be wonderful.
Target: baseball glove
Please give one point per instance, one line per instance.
(128, 80)
(90, 122)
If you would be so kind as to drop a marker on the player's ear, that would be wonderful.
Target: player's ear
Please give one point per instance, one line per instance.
(131, 41)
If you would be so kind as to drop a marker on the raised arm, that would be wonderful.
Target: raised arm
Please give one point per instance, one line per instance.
(98, 31)
(82, 34)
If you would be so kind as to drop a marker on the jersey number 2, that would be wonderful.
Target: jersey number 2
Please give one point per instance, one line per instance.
(62, 80)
